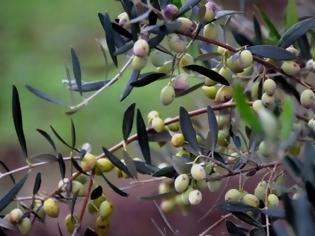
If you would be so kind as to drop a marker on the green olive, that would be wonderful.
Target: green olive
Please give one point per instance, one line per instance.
(211, 31)
(103, 165)
(70, 223)
(176, 43)
(105, 209)
(178, 140)
(214, 185)
(77, 186)
(101, 226)
(210, 11)
(51, 207)
(250, 200)
(198, 172)
(267, 100)
(223, 120)
(290, 67)
(151, 115)
(186, 60)
(258, 105)
(234, 64)
(210, 91)
(167, 205)
(167, 95)
(195, 197)
(226, 73)
(246, 58)
(158, 58)
(223, 137)
(260, 190)
(38, 209)
(138, 63)
(307, 98)
(172, 127)
(269, 87)
(233, 195)
(224, 94)
(88, 162)
(181, 183)
(186, 25)
(158, 124)
(164, 188)
(15, 215)
(272, 200)
(25, 226)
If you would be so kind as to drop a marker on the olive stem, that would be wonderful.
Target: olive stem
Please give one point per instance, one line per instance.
(215, 224)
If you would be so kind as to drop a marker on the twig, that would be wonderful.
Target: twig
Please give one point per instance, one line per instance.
(215, 224)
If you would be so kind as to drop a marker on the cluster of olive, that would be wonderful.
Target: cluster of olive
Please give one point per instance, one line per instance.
(260, 194)
(18, 218)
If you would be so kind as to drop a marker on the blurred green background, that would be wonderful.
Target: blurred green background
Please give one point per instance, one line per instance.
(36, 38)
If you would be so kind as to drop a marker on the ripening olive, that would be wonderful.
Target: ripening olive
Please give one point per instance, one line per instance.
(88, 162)
(167, 95)
(70, 223)
(167, 205)
(211, 31)
(210, 11)
(260, 190)
(180, 82)
(250, 200)
(307, 98)
(25, 226)
(176, 43)
(181, 183)
(233, 195)
(272, 201)
(15, 215)
(186, 25)
(105, 209)
(195, 197)
(178, 140)
(141, 48)
(269, 87)
(170, 11)
(123, 19)
(101, 226)
(138, 63)
(158, 124)
(246, 58)
(210, 91)
(51, 207)
(224, 94)
(198, 172)
(186, 60)
(103, 165)
(290, 67)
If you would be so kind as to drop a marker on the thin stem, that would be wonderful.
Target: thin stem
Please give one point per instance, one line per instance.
(215, 224)
(113, 80)
(86, 198)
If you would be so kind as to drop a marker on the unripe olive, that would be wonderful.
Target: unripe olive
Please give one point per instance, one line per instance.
(77, 186)
(221, 50)
(166, 68)
(223, 137)
(88, 162)
(141, 48)
(101, 226)
(170, 11)
(247, 71)
(223, 120)
(210, 11)
(151, 115)
(269, 87)
(181, 183)
(214, 185)
(257, 105)
(138, 63)
(224, 94)
(178, 140)
(233, 195)
(92, 208)
(70, 223)
(186, 60)
(176, 43)
(246, 58)
(293, 50)
(198, 172)
(103, 165)
(195, 197)
(260, 190)
(167, 205)
(158, 124)
(172, 127)
(272, 201)
(185, 196)
(164, 188)
(290, 67)
(98, 201)
(234, 63)
(294, 149)
(25, 226)
(263, 149)
(105, 209)
(182, 153)
(254, 90)
(186, 25)
(269, 123)
(209, 167)
(167, 95)
(210, 82)
(267, 100)
(123, 19)
(158, 58)
(38, 209)
(211, 31)
(200, 184)
(15, 215)
(250, 200)
(81, 178)
(307, 98)
(51, 207)
(226, 72)
(210, 91)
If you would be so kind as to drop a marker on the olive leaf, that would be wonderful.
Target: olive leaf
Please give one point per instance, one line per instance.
(76, 69)
(43, 96)
(147, 78)
(116, 162)
(37, 184)
(48, 138)
(143, 138)
(97, 192)
(272, 52)
(128, 121)
(116, 189)
(62, 165)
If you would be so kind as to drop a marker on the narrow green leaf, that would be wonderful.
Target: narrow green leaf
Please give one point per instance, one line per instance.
(37, 184)
(43, 95)
(62, 165)
(76, 69)
(246, 113)
(97, 192)
(116, 162)
(143, 138)
(128, 121)
(7, 169)
(116, 189)
(48, 138)
(286, 119)
(292, 15)
(17, 119)
(10, 195)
